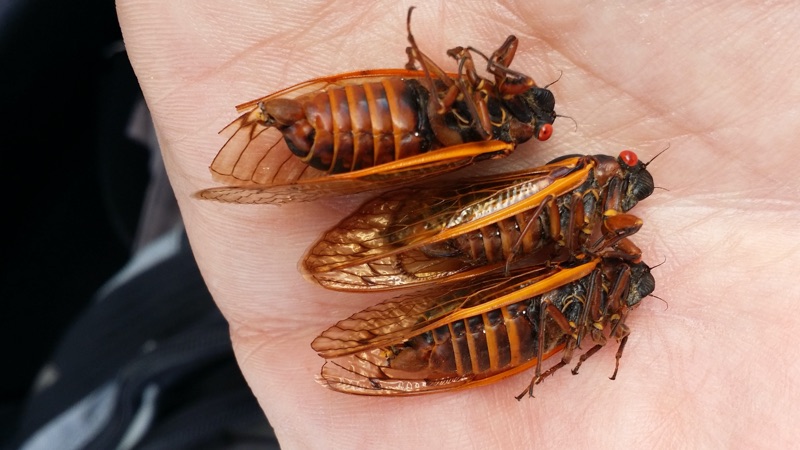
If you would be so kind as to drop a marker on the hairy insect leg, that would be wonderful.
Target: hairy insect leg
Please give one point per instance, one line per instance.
(539, 378)
(619, 330)
(594, 350)
(620, 349)
(592, 310)
(624, 249)
(549, 310)
(430, 69)
(617, 226)
(586, 356)
(520, 239)
(472, 88)
(509, 82)
(505, 53)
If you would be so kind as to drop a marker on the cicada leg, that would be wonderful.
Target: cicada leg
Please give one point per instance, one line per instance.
(615, 229)
(440, 101)
(595, 349)
(431, 70)
(549, 310)
(624, 249)
(520, 239)
(575, 332)
(509, 82)
(608, 316)
(473, 91)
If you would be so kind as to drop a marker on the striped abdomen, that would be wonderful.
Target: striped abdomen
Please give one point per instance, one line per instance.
(488, 343)
(496, 242)
(347, 128)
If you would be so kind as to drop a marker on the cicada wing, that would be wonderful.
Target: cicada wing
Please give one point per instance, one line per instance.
(309, 187)
(363, 351)
(256, 156)
(397, 319)
(366, 373)
(342, 79)
(399, 238)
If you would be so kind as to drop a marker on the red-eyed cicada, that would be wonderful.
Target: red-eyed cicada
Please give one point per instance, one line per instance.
(571, 209)
(462, 335)
(369, 129)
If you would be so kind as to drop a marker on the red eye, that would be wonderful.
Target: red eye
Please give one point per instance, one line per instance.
(545, 132)
(629, 157)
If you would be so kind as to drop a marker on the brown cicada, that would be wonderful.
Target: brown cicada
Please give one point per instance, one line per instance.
(462, 335)
(571, 209)
(369, 129)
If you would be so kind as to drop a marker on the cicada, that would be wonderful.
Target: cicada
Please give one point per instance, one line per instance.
(369, 129)
(462, 335)
(573, 208)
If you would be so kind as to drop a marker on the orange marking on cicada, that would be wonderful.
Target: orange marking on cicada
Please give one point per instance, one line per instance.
(432, 233)
(296, 144)
(476, 333)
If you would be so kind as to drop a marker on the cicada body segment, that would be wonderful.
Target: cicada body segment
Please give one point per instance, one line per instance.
(378, 127)
(571, 209)
(492, 327)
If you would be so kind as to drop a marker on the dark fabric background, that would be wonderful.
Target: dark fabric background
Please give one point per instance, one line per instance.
(74, 184)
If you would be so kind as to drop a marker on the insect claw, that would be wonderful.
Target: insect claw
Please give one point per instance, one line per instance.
(528, 390)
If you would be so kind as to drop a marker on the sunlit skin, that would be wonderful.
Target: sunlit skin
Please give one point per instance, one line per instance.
(714, 365)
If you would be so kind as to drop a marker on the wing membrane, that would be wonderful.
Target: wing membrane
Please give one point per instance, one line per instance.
(257, 166)
(386, 242)
(357, 348)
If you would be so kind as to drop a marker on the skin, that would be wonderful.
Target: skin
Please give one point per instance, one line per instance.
(713, 365)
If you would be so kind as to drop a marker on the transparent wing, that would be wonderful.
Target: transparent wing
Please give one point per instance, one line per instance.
(399, 318)
(391, 240)
(310, 185)
(360, 351)
(256, 165)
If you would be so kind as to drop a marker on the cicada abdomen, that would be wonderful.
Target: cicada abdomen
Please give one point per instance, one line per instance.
(369, 126)
(491, 328)
(571, 209)
(352, 127)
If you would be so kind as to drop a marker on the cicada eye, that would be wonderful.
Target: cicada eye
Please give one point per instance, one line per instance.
(545, 131)
(629, 157)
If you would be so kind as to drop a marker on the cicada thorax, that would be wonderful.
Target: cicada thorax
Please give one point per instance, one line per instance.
(509, 332)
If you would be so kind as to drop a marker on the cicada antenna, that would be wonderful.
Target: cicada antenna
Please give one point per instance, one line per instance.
(657, 155)
(666, 304)
(560, 74)
(570, 118)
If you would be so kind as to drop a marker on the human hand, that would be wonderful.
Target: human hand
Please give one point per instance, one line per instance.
(717, 85)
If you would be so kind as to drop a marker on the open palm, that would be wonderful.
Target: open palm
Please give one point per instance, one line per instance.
(711, 367)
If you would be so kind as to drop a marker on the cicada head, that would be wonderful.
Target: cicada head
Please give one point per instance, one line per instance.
(638, 183)
(534, 109)
(642, 284)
